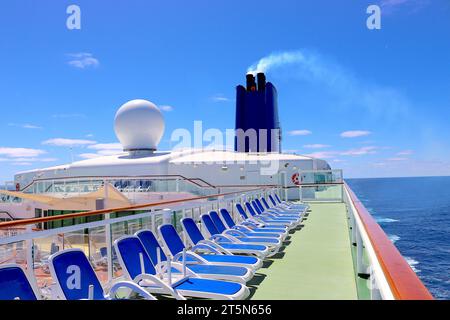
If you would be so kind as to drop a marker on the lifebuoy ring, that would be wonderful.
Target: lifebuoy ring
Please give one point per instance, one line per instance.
(295, 179)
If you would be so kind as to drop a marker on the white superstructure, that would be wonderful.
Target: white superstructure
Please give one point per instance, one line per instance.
(139, 126)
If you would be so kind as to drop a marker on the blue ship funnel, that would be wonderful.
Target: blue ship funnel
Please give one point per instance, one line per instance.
(257, 125)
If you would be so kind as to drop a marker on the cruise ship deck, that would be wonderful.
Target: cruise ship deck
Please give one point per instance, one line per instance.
(337, 251)
(316, 264)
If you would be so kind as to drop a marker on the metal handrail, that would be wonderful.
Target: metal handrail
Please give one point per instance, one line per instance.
(191, 180)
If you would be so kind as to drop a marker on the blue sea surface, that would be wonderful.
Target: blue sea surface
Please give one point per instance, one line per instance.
(415, 214)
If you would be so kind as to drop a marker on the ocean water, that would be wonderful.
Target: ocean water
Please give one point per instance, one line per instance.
(415, 214)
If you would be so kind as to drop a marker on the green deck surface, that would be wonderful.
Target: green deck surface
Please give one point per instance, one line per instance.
(316, 264)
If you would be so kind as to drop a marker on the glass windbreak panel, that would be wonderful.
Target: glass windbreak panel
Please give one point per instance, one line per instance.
(120, 229)
(176, 218)
(321, 177)
(146, 223)
(13, 253)
(322, 193)
(17, 252)
(42, 249)
(98, 252)
(77, 239)
(157, 218)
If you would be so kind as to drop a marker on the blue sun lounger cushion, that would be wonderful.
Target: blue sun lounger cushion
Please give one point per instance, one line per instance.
(74, 273)
(295, 210)
(267, 219)
(236, 237)
(173, 241)
(249, 221)
(229, 245)
(242, 238)
(223, 228)
(230, 222)
(194, 234)
(151, 245)
(15, 284)
(76, 279)
(288, 206)
(138, 266)
(276, 212)
(269, 215)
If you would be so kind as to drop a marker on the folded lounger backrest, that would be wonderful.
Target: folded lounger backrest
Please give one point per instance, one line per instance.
(256, 207)
(74, 275)
(250, 209)
(227, 218)
(209, 224)
(278, 198)
(192, 230)
(272, 200)
(130, 251)
(265, 203)
(151, 245)
(261, 207)
(171, 239)
(241, 211)
(217, 221)
(15, 284)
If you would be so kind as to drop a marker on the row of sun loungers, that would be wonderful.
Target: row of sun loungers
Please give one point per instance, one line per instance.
(216, 264)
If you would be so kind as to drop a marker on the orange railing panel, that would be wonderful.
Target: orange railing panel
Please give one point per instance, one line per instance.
(403, 281)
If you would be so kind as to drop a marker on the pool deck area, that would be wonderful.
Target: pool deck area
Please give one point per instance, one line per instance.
(316, 264)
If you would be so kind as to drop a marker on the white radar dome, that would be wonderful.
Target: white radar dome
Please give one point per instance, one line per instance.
(139, 125)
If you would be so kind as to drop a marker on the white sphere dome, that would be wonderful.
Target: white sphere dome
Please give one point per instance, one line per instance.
(139, 125)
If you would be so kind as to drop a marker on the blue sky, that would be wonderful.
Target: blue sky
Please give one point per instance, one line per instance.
(373, 102)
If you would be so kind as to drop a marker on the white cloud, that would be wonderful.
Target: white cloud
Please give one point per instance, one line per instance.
(89, 155)
(397, 159)
(25, 126)
(405, 153)
(360, 151)
(316, 146)
(22, 164)
(21, 152)
(355, 133)
(299, 132)
(62, 142)
(323, 154)
(352, 152)
(166, 108)
(82, 60)
(103, 149)
(109, 152)
(108, 146)
(220, 98)
(24, 159)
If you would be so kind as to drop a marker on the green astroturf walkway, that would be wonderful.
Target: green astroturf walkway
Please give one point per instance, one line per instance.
(317, 264)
